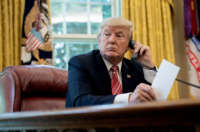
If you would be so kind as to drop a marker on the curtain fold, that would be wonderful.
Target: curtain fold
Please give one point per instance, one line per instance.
(152, 20)
(11, 13)
(1, 47)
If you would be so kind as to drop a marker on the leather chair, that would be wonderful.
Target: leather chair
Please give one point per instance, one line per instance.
(32, 87)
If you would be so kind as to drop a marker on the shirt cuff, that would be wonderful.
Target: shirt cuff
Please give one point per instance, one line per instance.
(121, 98)
(149, 75)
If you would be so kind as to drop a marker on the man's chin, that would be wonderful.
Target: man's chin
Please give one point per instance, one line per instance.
(111, 55)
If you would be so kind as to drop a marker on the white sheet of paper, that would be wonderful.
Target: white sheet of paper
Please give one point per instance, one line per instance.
(164, 79)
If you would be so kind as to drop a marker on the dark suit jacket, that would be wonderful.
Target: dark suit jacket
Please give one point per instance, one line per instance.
(89, 82)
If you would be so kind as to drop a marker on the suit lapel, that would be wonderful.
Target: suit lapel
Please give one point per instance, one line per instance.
(103, 75)
(129, 78)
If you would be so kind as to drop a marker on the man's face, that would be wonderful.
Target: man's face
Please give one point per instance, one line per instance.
(113, 41)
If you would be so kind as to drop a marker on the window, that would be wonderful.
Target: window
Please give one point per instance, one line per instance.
(75, 24)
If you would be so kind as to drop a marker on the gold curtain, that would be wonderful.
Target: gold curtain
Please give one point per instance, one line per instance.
(11, 15)
(152, 20)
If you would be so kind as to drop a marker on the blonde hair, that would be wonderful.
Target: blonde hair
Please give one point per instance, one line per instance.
(116, 21)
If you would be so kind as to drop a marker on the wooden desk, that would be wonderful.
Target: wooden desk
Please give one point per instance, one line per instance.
(155, 114)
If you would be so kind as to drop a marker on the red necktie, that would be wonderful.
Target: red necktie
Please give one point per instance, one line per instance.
(115, 83)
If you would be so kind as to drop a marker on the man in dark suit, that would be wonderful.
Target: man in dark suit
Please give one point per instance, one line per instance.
(104, 76)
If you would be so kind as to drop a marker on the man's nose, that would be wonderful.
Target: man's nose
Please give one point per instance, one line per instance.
(112, 38)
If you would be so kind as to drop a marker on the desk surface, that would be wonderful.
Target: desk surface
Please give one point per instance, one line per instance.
(180, 112)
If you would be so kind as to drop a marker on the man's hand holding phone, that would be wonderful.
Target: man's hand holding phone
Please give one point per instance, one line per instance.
(143, 54)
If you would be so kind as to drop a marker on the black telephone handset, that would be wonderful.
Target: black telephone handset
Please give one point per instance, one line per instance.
(131, 45)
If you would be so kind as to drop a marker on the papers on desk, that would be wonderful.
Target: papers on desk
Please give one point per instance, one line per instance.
(164, 79)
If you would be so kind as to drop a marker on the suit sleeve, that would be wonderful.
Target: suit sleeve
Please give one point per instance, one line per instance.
(81, 88)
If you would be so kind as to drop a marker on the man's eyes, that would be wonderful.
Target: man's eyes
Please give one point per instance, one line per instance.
(119, 35)
(107, 34)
